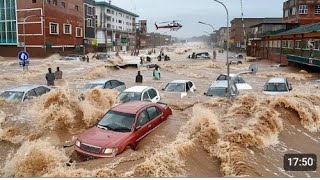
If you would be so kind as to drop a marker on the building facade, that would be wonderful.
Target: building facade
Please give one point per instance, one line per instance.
(300, 45)
(116, 28)
(222, 37)
(89, 42)
(43, 27)
(301, 11)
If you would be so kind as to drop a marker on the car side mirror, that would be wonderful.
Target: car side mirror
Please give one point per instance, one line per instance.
(290, 87)
(205, 93)
(163, 89)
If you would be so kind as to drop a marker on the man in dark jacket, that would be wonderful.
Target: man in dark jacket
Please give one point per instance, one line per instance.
(139, 78)
(50, 77)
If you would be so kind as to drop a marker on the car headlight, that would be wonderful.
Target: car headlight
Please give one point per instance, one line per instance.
(113, 151)
(78, 143)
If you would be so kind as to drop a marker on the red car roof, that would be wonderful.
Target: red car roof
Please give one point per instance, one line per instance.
(131, 107)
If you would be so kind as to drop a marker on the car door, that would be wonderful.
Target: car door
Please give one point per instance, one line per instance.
(153, 95)
(142, 125)
(145, 96)
(156, 116)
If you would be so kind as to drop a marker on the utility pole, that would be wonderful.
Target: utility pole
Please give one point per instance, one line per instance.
(212, 34)
(228, 43)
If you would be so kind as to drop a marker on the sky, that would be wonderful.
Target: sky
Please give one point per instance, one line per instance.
(190, 12)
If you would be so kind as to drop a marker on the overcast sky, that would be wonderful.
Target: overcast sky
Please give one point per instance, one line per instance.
(190, 12)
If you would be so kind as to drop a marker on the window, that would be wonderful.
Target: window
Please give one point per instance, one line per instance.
(54, 28)
(79, 32)
(120, 21)
(303, 9)
(153, 112)
(108, 11)
(317, 9)
(143, 118)
(286, 13)
(89, 10)
(293, 11)
(55, 2)
(31, 94)
(77, 7)
(67, 29)
(152, 93)
(89, 22)
(40, 90)
(34, 1)
(108, 85)
(146, 96)
(298, 44)
(115, 84)
(63, 4)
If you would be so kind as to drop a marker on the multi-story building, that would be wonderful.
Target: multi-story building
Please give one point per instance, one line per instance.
(222, 37)
(301, 11)
(90, 41)
(239, 34)
(42, 26)
(115, 27)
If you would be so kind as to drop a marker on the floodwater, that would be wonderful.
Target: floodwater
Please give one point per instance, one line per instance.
(205, 137)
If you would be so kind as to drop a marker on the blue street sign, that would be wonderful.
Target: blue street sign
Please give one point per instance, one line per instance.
(23, 56)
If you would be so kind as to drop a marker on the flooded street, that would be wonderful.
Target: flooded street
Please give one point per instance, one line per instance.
(205, 137)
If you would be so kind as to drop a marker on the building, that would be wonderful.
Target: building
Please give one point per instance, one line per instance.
(300, 45)
(43, 27)
(89, 41)
(257, 33)
(141, 38)
(238, 34)
(301, 11)
(116, 28)
(222, 37)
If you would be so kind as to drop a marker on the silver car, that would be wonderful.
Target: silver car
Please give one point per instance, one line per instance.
(23, 93)
(106, 84)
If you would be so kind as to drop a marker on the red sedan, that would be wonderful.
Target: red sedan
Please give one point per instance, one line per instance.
(124, 125)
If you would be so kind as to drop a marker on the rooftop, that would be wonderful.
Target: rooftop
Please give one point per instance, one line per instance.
(131, 107)
(277, 80)
(137, 89)
(301, 30)
(179, 81)
(107, 4)
(23, 88)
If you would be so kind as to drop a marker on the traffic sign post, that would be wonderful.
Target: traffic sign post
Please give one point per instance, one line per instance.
(23, 57)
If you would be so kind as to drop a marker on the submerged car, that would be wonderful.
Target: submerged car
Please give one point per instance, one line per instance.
(72, 57)
(277, 86)
(106, 84)
(123, 126)
(139, 93)
(180, 86)
(240, 82)
(23, 93)
(203, 55)
(220, 89)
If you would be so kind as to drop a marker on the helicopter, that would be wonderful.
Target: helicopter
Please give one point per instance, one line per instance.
(172, 25)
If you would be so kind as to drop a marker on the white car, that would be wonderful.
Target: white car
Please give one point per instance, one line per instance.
(106, 84)
(25, 92)
(220, 89)
(240, 82)
(277, 86)
(180, 86)
(139, 93)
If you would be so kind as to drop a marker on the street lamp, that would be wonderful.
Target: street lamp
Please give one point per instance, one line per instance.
(228, 41)
(24, 30)
(212, 35)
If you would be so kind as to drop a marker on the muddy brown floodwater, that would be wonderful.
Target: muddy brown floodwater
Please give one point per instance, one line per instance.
(205, 137)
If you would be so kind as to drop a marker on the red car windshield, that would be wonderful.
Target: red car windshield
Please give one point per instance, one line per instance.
(117, 121)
